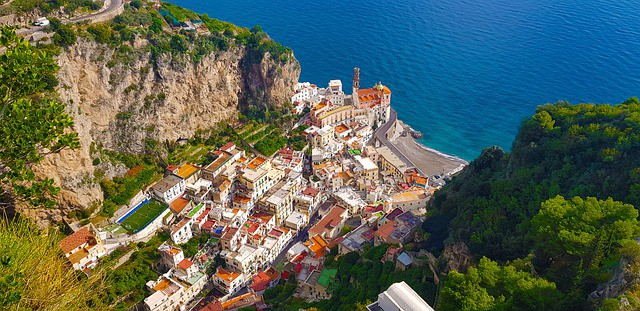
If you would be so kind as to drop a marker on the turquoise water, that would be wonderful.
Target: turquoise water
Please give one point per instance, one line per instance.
(464, 73)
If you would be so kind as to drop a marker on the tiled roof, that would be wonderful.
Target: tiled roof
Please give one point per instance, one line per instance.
(186, 171)
(76, 239)
(312, 192)
(179, 226)
(386, 230)
(178, 204)
(332, 219)
(228, 146)
(226, 275)
(185, 264)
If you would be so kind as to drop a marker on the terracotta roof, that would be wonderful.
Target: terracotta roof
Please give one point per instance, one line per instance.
(228, 146)
(331, 220)
(178, 204)
(214, 306)
(208, 225)
(162, 285)
(179, 226)
(317, 245)
(341, 128)
(262, 280)
(185, 264)
(256, 162)
(76, 239)
(225, 275)
(275, 232)
(386, 230)
(335, 242)
(312, 192)
(186, 171)
(266, 217)
(241, 199)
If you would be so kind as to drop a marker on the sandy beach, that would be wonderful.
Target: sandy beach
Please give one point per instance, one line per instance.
(429, 161)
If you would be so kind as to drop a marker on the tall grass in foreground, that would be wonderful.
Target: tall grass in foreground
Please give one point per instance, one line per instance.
(34, 275)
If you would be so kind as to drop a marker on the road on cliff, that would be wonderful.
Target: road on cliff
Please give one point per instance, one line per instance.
(113, 6)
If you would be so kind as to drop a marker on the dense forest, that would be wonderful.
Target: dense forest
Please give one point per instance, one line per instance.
(561, 203)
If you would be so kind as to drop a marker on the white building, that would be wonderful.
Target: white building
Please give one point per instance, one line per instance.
(351, 200)
(83, 248)
(228, 281)
(296, 221)
(399, 297)
(248, 259)
(169, 188)
(303, 92)
(171, 293)
(334, 93)
(414, 200)
(181, 233)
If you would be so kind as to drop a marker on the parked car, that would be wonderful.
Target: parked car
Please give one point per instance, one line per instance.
(42, 21)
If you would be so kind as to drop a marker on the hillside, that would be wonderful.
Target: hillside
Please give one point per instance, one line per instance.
(580, 151)
(137, 82)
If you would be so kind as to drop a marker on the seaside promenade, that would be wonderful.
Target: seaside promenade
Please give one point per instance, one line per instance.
(428, 162)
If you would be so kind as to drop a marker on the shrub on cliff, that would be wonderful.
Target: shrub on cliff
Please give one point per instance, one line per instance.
(31, 124)
(34, 275)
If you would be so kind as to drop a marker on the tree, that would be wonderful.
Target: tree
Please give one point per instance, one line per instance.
(494, 287)
(156, 25)
(31, 125)
(577, 228)
(579, 234)
(178, 44)
(64, 36)
(101, 32)
(256, 29)
(136, 4)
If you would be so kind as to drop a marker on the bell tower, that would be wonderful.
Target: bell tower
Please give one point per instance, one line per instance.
(356, 79)
(356, 86)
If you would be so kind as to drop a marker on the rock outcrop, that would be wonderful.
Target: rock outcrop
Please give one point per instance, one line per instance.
(123, 101)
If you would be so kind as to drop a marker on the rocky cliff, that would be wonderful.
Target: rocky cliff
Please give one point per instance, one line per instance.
(121, 101)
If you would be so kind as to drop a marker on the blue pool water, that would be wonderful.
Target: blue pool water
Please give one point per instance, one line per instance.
(464, 73)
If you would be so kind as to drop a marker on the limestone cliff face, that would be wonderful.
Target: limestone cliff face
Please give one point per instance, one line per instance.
(122, 101)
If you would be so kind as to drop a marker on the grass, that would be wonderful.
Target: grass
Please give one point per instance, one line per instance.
(188, 154)
(145, 214)
(34, 274)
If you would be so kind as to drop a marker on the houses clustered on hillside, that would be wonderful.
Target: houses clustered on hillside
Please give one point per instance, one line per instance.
(286, 211)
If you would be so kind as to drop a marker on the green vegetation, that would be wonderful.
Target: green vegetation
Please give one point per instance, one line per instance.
(359, 279)
(125, 286)
(191, 247)
(64, 35)
(197, 148)
(492, 287)
(145, 214)
(271, 144)
(32, 124)
(30, 257)
(507, 206)
(141, 19)
(120, 190)
(298, 139)
(47, 7)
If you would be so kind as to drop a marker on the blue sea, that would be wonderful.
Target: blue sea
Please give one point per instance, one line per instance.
(464, 73)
